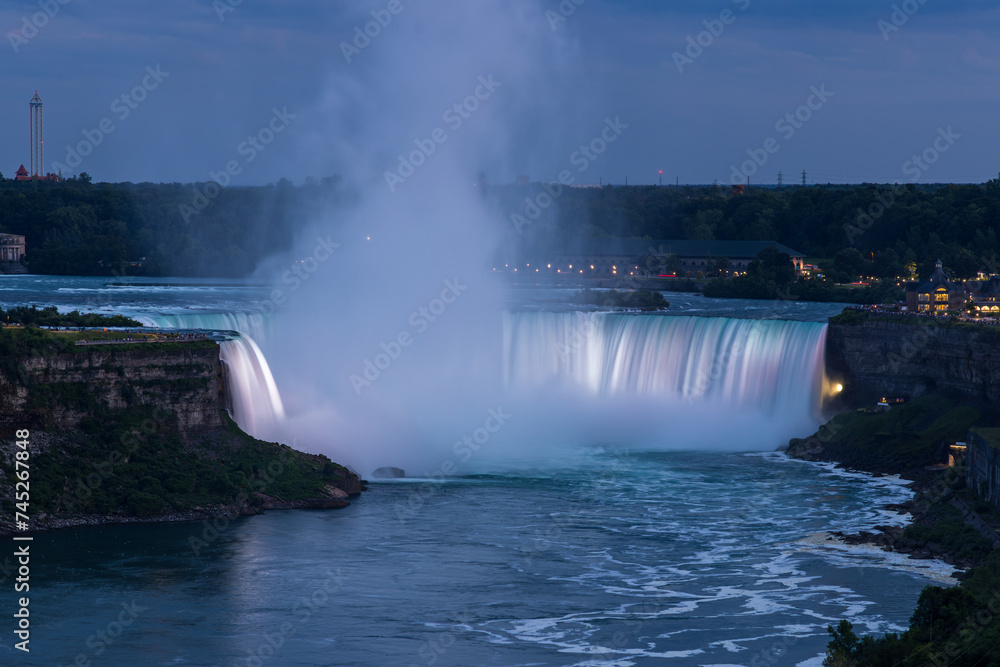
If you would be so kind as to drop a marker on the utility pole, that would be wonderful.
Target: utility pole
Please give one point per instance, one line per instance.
(679, 182)
(803, 177)
(779, 179)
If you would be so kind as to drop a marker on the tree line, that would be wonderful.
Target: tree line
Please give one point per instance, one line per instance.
(77, 227)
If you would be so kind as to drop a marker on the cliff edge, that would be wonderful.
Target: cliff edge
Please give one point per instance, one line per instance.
(138, 432)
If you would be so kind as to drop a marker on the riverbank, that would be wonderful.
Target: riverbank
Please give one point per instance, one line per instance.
(947, 523)
(911, 440)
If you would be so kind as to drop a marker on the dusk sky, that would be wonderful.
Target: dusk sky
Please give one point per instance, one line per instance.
(928, 73)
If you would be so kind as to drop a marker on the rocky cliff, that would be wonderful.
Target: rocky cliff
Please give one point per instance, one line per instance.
(56, 392)
(139, 432)
(875, 356)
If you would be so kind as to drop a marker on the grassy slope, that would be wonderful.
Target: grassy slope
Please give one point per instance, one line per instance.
(903, 440)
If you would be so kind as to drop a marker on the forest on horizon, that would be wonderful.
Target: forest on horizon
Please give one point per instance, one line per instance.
(76, 227)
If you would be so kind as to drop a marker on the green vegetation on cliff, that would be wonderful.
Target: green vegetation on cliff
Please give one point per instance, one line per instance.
(907, 438)
(138, 430)
(131, 462)
(32, 316)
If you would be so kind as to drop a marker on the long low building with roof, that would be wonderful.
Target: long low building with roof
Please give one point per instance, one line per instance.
(606, 257)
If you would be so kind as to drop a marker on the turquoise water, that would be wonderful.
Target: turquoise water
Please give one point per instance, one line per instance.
(583, 554)
(617, 558)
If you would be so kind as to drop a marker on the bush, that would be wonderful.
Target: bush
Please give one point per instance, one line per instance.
(144, 504)
(180, 483)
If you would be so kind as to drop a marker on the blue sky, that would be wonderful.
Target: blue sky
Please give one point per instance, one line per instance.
(892, 92)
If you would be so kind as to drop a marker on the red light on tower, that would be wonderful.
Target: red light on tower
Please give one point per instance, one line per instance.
(661, 177)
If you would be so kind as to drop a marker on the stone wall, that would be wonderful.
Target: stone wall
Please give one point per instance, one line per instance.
(55, 392)
(982, 460)
(901, 357)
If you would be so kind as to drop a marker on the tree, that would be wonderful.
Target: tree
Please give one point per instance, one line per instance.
(849, 261)
(721, 266)
(887, 264)
(776, 265)
(843, 647)
(964, 264)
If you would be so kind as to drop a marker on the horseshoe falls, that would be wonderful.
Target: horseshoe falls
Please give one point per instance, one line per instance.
(772, 365)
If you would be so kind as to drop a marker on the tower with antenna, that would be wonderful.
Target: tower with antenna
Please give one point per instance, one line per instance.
(37, 140)
(803, 177)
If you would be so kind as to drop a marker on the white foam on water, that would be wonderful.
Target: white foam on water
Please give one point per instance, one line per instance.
(841, 554)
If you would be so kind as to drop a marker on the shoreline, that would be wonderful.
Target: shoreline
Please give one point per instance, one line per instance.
(888, 543)
(335, 499)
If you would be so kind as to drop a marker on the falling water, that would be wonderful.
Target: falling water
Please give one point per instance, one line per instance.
(254, 398)
(662, 381)
(770, 365)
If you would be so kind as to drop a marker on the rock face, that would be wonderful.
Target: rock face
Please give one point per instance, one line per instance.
(879, 358)
(56, 392)
(130, 433)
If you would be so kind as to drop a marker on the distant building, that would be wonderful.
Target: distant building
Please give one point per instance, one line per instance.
(11, 252)
(23, 175)
(623, 257)
(986, 296)
(936, 295)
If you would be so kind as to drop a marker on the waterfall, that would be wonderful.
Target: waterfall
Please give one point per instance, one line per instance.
(670, 381)
(770, 365)
(254, 399)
